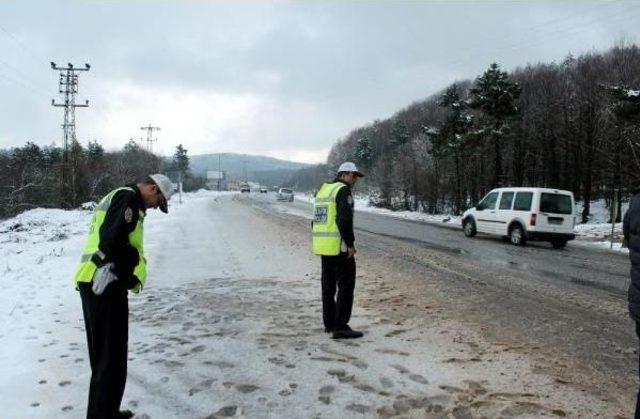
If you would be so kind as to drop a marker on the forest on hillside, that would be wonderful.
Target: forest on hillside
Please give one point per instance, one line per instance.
(32, 176)
(571, 125)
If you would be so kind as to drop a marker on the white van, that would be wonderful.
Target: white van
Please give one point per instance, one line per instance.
(523, 214)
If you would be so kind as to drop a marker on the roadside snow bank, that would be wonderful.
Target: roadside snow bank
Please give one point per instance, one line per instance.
(362, 204)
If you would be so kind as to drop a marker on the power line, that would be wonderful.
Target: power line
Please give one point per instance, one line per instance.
(23, 46)
(23, 80)
(18, 82)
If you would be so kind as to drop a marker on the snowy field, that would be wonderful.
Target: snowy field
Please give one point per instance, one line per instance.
(595, 233)
(229, 326)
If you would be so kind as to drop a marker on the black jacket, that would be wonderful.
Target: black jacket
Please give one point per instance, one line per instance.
(344, 214)
(631, 231)
(120, 220)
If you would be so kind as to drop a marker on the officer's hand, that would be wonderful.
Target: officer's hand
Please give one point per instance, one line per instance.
(103, 277)
(132, 282)
(351, 252)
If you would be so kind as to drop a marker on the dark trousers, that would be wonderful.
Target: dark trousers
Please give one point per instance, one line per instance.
(337, 272)
(106, 320)
(637, 414)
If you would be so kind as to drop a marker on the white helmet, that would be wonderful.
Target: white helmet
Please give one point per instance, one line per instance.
(166, 188)
(349, 167)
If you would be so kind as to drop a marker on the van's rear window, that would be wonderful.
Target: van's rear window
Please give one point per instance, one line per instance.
(555, 203)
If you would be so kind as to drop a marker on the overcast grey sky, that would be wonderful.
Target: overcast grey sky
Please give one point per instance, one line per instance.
(277, 78)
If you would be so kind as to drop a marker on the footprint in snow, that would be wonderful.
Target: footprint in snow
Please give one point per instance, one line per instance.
(401, 369)
(418, 379)
(327, 390)
(359, 408)
(365, 387)
(223, 365)
(226, 411)
(246, 388)
(385, 382)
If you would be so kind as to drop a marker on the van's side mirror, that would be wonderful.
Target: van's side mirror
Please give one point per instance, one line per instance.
(479, 207)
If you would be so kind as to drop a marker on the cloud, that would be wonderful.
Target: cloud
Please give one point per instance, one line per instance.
(205, 121)
(284, 78)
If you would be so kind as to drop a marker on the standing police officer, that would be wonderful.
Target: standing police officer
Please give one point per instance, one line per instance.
(113, 262)
(631, 232)
(333, 240)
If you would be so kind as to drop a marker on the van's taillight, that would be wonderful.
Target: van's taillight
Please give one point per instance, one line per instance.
(534, 217)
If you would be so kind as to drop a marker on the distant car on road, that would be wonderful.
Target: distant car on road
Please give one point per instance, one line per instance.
(263, 190)
(285, 194)
(523, 214)
(245, 188)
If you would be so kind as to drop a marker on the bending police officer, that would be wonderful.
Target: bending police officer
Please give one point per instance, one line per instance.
(113, 262)
(333, 240)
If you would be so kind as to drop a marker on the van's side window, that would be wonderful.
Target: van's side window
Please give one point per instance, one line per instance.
(523, 201)
(489, 201)
(506, 200)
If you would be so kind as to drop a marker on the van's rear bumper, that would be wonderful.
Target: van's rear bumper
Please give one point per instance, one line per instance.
(545, 236)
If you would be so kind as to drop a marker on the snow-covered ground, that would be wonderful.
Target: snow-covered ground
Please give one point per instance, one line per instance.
(595, 233)
(229, 325)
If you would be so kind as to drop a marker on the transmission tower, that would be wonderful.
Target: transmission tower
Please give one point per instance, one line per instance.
(150, 138)
(68, 88)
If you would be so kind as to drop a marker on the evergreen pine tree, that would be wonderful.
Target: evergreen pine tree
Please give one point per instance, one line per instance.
(363, 153)
(495, 95)
(181, 159)
(453, 135)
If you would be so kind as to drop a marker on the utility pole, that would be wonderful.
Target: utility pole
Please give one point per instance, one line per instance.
(68, 88)
(150, 138)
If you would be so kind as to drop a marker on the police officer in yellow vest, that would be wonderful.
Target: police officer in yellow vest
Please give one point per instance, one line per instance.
(113, 262)
(333, 240)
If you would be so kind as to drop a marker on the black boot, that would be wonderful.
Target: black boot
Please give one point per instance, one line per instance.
(346, 333)
(124, 414)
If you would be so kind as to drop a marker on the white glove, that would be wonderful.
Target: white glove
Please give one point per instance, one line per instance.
(103, 277)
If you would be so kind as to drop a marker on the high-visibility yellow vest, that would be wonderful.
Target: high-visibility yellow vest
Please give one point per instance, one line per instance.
(325, 235)
(92, 255)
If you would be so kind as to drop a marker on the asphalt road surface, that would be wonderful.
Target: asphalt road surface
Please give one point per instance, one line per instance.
(565, 309)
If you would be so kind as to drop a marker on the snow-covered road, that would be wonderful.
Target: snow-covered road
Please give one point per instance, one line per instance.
(230, 326)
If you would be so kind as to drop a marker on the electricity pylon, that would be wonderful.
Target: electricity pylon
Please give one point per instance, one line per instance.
(150, 138)
(68, 88)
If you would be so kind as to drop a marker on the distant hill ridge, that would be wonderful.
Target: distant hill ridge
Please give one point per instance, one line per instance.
(241, 165)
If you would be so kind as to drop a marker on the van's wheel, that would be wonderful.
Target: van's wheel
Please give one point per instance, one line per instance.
(516, 235)
(469, 227)
(559, 244)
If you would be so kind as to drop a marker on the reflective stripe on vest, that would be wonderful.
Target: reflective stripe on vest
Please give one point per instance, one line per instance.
(325, 235)
(92, 256)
